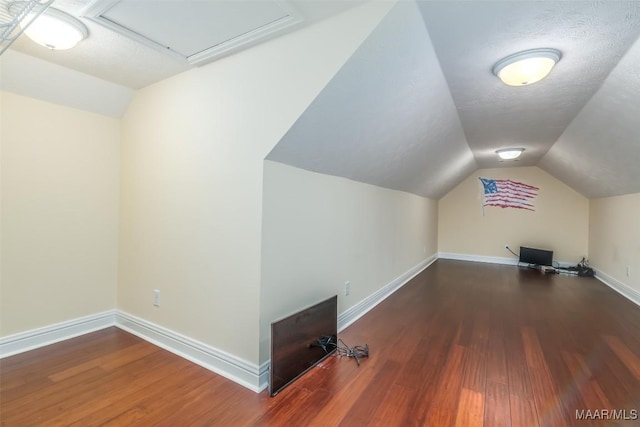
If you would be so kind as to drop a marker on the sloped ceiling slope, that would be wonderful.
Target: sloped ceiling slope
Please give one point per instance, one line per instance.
(470, 37)
(599, 153)
(417, 108)
(387, 118)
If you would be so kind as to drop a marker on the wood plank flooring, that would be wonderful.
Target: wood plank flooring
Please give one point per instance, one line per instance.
(462, 344)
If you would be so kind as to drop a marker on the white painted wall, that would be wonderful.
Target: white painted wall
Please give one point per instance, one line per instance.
(320, 231)
(614, 238)
(560, 221)
(192, 157)
(60, 187)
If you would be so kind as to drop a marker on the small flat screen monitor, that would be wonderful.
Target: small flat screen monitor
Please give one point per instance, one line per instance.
(294, 342)
(536, 256)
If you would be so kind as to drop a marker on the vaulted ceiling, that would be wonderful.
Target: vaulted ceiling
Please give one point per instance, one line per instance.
(417, 108)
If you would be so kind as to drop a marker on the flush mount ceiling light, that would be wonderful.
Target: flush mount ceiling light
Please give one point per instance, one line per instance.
(53, 28)
(509, 153)
(526, 67)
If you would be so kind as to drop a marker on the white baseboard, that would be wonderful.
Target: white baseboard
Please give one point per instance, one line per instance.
(242, 372)
(247, 374)
(238, 370)
(478, 258)
(35, 338)
(623, 289)
(492, 259)
(263, 377)
(355, 312)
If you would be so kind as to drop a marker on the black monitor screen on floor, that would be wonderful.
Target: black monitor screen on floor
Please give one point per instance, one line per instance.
(294, 340)
(535, 256)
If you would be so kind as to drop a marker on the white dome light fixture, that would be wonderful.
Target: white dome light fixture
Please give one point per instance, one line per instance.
(509, 153)
(526, 67)
(53, 29)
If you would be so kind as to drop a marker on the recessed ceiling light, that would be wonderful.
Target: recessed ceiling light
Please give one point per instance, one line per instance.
(509, 153)
(53, 29)
(527, 67)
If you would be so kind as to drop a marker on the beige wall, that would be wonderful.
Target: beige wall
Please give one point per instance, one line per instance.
(59, 171)
(192, 157)
(614, 237)
(320, 231)
(559, 223)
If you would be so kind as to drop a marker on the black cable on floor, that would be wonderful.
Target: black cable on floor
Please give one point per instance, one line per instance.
(356, 352)
(328, 344)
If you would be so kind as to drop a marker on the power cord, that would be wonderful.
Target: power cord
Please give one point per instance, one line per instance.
(584, 263)
(581, 269)
(509, 249)
(356, 352)
(328, 344)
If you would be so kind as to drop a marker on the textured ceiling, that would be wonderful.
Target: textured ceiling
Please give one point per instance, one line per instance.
(599, 153)
(390, 117)
(113, 57)
(387, 118)
(470, 37)
(106, 54)
(417, 109)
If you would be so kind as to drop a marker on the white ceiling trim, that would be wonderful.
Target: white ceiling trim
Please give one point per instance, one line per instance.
(98, 12)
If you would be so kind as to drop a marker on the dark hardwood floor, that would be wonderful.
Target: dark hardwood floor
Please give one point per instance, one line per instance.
(463, 344)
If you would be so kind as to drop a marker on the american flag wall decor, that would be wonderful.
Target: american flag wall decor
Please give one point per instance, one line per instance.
(505, 193)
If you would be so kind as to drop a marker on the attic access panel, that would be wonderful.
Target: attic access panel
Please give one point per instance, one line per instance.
(194, 30)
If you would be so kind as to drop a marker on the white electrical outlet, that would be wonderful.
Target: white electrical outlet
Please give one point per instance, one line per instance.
(506, 247)
(628, 271)
(347, 288)
(156, 297)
